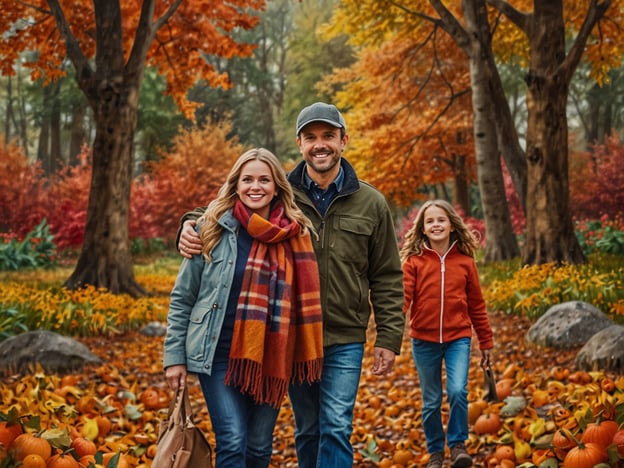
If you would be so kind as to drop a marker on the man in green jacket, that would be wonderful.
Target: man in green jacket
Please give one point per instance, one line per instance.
(360, 272)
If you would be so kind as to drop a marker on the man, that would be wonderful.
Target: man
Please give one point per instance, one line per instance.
(359, 268)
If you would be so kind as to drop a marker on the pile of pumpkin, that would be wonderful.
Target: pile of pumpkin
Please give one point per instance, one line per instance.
(52, 449)
(53, 422)
(571, 420)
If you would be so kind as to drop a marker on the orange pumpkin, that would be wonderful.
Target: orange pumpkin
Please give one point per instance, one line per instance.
(33, 461)
(62, 460)
(600, 433)
(505, 452)
(150, 398)
(8, 433)
(83, 446)
(488, 423)
(504, 388)
(618, 441)
(86, 460)
(104, 425)
(27, 444)
(562, 442)
(585, 455)
(607, 384)
(475, 408)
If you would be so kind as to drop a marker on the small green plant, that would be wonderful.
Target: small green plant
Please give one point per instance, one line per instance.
(12, 322)
(604, 235)
(36, 250)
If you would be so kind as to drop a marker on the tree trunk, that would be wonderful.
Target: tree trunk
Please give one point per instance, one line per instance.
(78, 135)
(460, 192)
(550, 233)
(105, 259)
(501, 243)
(56, 156)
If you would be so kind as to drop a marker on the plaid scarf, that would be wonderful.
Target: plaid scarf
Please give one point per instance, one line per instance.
(278, 331)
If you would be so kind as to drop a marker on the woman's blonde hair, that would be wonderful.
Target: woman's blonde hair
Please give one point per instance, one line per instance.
(415, 238)
(210, 229)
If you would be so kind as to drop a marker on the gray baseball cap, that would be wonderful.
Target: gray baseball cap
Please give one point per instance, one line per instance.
(320, 112)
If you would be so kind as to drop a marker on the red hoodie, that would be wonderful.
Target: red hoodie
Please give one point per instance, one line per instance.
(443, 297)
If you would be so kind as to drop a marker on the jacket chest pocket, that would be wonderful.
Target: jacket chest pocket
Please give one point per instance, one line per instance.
(351, 237)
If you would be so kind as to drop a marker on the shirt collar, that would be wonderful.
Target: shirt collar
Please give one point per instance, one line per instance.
(338, 181)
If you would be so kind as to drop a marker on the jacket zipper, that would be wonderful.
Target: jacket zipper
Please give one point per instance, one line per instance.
(442, 271)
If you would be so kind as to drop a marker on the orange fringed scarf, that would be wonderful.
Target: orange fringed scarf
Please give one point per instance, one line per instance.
(278, 331)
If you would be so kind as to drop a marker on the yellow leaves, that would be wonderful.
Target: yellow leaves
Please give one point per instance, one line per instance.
(531, 290)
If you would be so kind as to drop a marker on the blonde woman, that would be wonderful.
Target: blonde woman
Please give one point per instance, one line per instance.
(245, 315)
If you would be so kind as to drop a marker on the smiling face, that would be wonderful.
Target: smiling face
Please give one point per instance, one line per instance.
(437, 227)
(321, 145)
(256, 187)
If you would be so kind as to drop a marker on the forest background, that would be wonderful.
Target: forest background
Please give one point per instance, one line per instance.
(525, 142)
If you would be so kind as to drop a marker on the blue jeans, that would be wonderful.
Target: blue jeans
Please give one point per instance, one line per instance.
(324, 410)
(243, 429)
(428, 358)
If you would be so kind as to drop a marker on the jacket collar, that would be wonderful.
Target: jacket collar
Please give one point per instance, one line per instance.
(351, 183)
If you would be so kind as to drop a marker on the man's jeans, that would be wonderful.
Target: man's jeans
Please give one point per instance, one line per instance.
(324, 410)
(428, 358)
(243, 429)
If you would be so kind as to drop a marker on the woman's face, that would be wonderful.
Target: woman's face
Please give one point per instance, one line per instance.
(256, 187)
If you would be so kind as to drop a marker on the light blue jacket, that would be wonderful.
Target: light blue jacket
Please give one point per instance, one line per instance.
(198, 303)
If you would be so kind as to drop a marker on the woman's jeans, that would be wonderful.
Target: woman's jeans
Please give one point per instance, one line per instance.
(428, 358)
(243, 429)
(324, 410)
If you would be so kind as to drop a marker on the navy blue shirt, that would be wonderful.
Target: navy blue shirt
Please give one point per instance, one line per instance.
(243, 247)
(322, 198)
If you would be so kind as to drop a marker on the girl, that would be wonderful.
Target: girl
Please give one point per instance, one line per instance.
(444, 301)
(245, 315)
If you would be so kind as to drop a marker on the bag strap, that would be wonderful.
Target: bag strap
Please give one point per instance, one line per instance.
(179, 408)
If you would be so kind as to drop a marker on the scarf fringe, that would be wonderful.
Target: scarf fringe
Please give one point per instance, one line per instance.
(307, 371)
(247, 376)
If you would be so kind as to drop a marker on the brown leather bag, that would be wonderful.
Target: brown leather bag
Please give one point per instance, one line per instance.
(181, 444)
(489, 384)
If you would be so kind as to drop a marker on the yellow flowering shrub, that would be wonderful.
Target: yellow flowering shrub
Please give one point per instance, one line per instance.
(531, 290)
(40, 303)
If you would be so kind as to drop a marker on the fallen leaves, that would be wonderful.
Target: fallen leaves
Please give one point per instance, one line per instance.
(118, 406)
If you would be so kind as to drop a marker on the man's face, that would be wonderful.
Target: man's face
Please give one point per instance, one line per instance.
(321, 147)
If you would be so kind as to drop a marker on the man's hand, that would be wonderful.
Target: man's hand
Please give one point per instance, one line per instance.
(384, 361)
(190, 244)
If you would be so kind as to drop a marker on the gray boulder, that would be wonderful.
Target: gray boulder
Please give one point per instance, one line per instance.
(568, 325)
(604, 351)
(154, 329)
(53, 352)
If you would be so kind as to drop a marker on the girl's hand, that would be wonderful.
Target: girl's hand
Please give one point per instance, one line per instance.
(486, 358)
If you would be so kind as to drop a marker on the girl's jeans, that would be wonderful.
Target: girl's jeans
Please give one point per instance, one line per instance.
(428, 357)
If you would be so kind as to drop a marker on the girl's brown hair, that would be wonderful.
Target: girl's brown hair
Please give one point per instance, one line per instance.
(415, 238)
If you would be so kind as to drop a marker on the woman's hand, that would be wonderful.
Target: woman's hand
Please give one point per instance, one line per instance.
(190, 244)
(176, 377)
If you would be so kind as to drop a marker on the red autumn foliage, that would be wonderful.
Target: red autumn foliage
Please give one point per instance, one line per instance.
(188, 176)
(596, 180)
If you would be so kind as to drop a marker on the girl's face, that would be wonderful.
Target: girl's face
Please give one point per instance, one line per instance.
(256, 187)
(437, 226)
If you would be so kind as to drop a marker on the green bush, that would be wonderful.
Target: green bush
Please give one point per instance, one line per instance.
(36, 250)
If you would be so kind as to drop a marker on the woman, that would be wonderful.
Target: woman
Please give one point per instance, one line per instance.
(245, 316)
